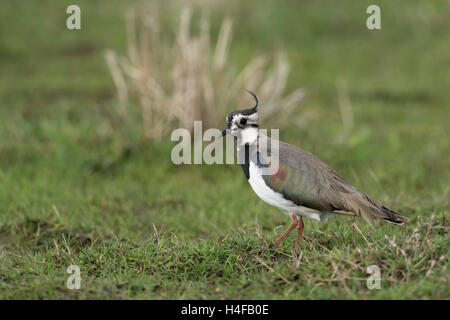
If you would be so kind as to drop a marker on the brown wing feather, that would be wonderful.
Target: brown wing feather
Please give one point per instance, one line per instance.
(306, 180)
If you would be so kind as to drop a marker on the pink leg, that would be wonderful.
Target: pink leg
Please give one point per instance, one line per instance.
(291, 227)
(300, 227)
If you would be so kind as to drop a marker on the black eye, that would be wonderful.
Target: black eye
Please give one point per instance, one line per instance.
(243, 121)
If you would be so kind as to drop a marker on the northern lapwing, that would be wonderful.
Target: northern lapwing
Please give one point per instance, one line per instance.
(303, 185)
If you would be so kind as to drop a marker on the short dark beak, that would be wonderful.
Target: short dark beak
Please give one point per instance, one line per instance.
(224, 131)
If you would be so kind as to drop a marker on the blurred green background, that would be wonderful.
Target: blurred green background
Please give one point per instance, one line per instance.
(69, 193)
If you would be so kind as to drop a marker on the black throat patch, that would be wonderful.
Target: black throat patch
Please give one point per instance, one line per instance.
(246, 164)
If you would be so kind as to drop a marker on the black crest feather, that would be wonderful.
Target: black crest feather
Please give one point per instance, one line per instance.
(246, 112)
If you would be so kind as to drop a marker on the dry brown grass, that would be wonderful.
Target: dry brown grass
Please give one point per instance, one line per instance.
(192, 79)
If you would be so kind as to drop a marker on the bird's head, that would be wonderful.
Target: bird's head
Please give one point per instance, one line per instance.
(243, 124)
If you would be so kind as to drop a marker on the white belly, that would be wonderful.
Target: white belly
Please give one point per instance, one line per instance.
(276, 199)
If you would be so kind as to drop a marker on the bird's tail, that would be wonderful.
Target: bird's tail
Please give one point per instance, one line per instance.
(373, 210)
(393, 217)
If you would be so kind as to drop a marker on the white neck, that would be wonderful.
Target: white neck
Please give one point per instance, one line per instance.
(248, 136)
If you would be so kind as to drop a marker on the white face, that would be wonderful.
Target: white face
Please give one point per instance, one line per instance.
(244, 127)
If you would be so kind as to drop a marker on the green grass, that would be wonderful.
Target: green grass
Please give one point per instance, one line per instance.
(140, 227)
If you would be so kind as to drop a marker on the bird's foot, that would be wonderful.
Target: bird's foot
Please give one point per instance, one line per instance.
(291, 227)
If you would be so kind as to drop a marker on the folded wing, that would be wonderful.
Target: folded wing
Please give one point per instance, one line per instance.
(307, 181)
